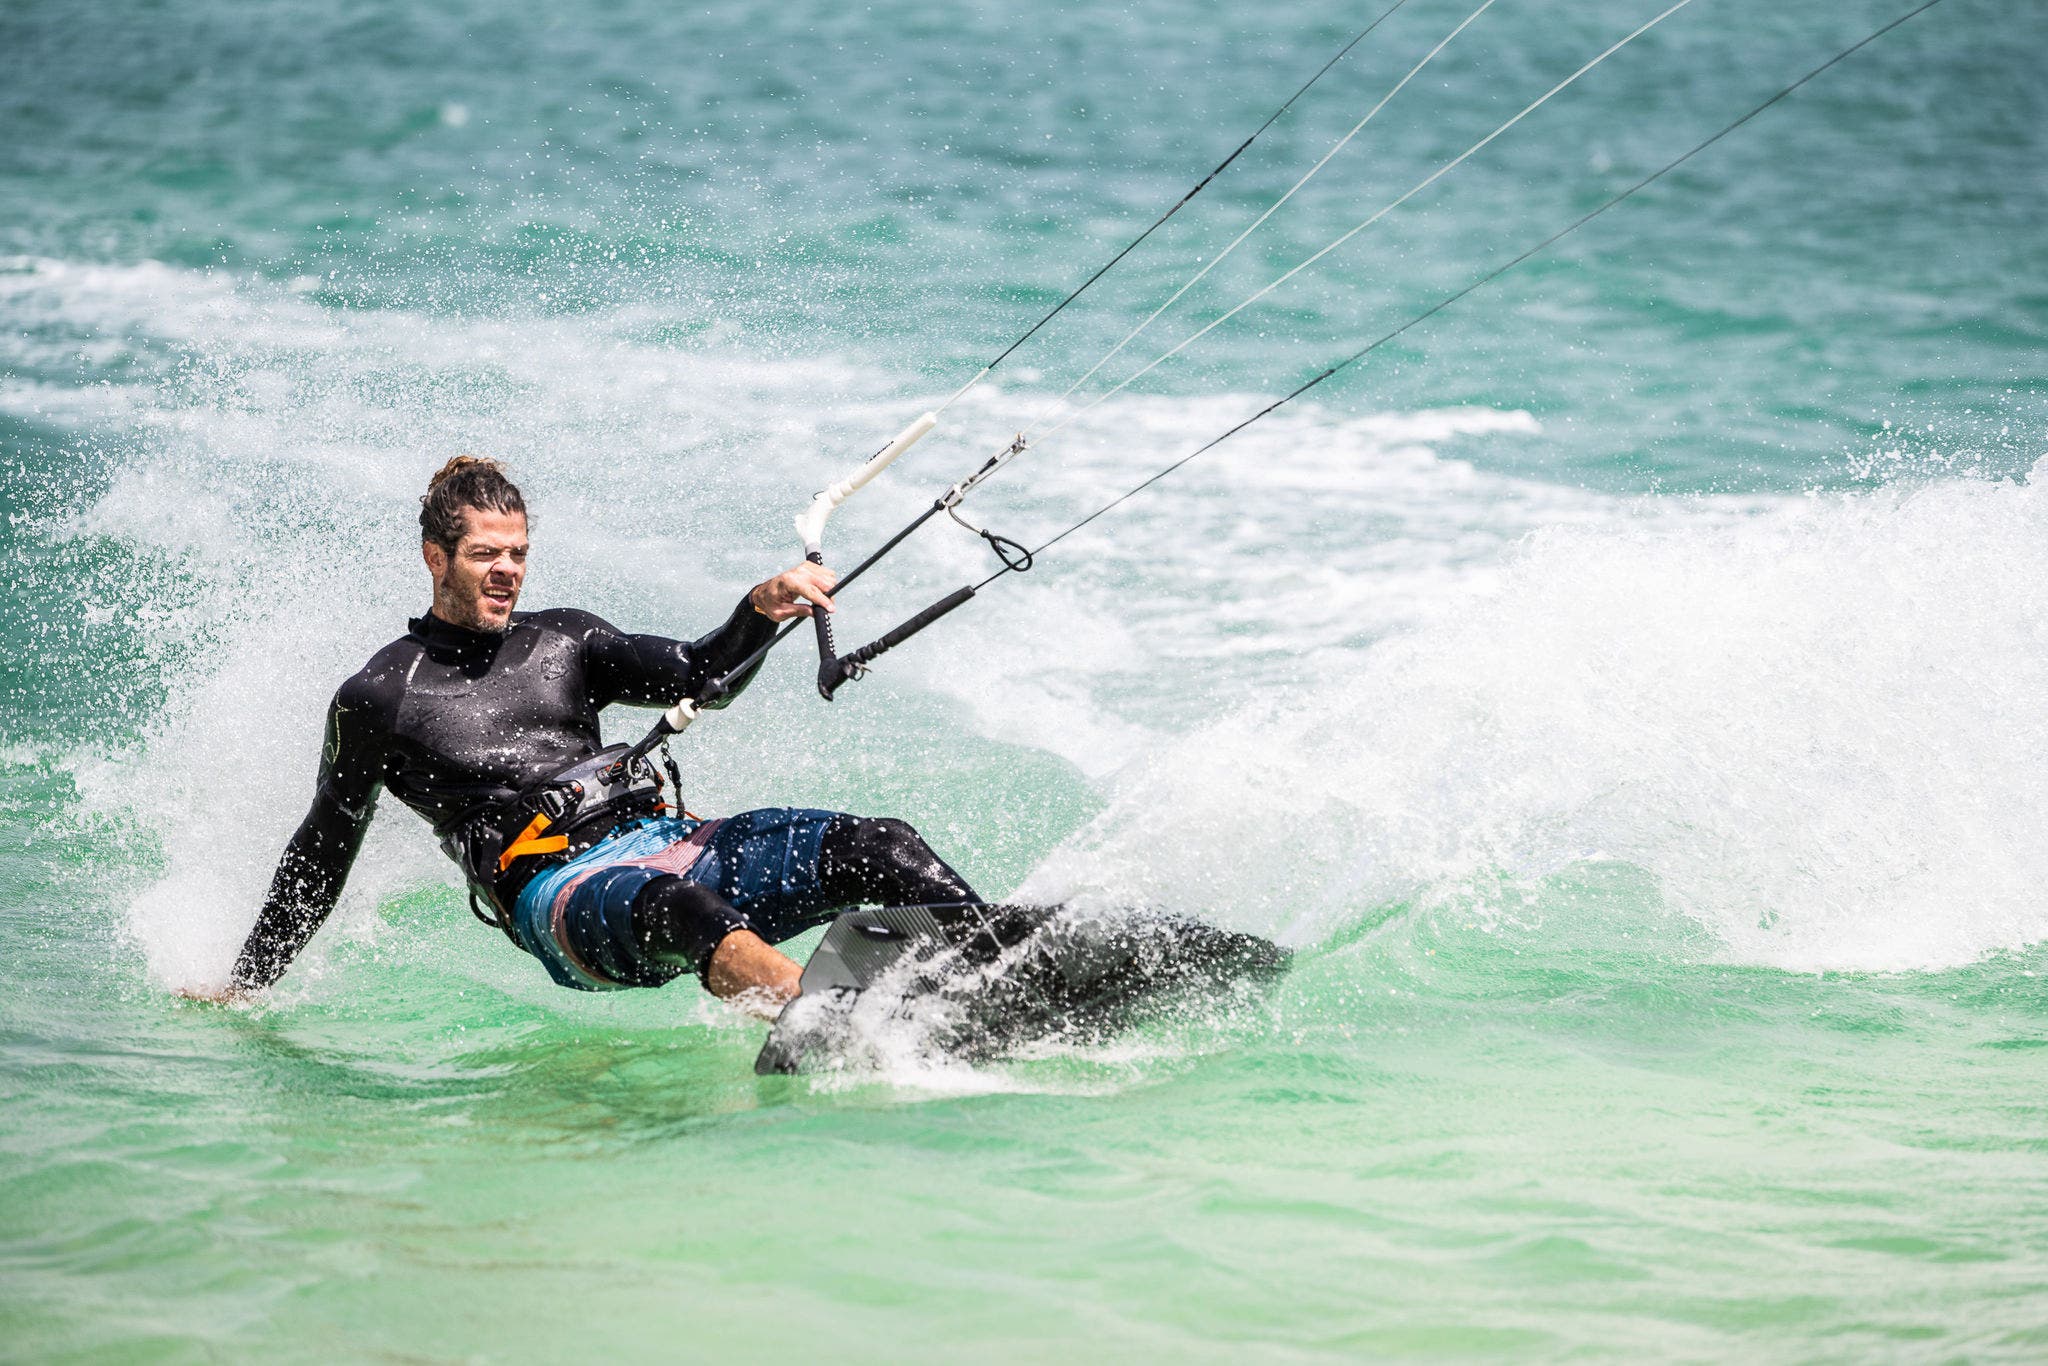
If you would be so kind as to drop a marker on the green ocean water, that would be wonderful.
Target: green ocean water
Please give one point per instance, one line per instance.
(1626, 692)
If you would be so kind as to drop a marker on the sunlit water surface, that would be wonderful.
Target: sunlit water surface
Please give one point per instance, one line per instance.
(1628, 693)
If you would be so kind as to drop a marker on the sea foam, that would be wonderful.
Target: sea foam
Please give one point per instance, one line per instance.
(1331, 665)
(1823, 730)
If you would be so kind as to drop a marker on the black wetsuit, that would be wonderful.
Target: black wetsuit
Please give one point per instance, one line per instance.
(451, 719)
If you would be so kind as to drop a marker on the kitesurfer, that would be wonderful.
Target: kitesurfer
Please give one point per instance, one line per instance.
(484, 720)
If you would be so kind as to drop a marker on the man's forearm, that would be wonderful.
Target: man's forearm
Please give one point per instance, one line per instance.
(299, 902)
(726, 648)
(303, 891)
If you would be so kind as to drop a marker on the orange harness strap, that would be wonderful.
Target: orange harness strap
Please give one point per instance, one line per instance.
(531, 841)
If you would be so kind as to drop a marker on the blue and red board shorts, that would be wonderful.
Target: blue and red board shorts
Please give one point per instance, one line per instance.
(578, 918)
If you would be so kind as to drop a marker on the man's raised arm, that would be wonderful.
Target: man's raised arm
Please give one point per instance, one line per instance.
(654, 671)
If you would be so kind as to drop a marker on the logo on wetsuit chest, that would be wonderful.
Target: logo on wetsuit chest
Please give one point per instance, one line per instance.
(555, 660)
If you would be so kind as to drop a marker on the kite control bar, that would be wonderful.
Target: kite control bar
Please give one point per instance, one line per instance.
(832, 669)
(835, 669)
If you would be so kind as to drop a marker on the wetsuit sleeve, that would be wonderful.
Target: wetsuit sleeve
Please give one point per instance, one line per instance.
(316, 862)
(654, 671)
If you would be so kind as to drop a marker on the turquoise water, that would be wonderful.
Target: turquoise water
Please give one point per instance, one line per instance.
(1626, 692)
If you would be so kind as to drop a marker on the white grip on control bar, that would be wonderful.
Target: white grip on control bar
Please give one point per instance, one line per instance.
(810, 524)
(679, 717)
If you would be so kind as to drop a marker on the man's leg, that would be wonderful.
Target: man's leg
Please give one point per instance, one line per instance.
(689, 926)
(753, 974)
(861, 861)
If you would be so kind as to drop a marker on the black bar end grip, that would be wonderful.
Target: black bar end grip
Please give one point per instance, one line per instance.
(829, 675)
(847, 666)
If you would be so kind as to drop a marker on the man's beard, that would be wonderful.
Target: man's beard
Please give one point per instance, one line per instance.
(473, 619)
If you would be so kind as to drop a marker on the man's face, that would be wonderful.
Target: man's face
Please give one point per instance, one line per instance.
(478, 585)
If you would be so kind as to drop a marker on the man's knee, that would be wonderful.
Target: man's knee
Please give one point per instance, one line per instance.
(876, 842)
(895, 837)
(884, 858)
(682, 923)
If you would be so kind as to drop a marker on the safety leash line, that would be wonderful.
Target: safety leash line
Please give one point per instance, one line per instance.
(952, 497)
(1483, 280)
(1382, 212)
(854, 663)
(1259, 222)
(1177, 206)
(811, 524)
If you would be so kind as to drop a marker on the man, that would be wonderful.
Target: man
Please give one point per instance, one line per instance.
(484, 720)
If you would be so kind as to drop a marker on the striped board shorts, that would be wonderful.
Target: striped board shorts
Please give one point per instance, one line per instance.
(578, 918)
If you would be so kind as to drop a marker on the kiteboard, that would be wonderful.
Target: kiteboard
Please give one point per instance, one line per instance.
(980, 981)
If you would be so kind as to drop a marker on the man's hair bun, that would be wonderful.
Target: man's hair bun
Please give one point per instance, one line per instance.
(465, 482)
